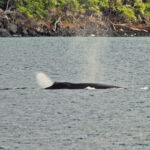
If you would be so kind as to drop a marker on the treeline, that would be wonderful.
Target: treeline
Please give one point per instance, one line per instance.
(132, 10)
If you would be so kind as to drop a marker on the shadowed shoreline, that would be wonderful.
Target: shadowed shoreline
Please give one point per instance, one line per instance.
(15, 24)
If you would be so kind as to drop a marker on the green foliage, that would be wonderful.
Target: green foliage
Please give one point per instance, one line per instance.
(71, 5)
(90, 5)
(129, 9)
(147, 10)
(50, 4)
(104, 3)
(139, 8)
(33, 8)
(127, 12)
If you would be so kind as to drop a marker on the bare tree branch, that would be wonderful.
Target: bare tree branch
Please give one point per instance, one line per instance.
(7, 6)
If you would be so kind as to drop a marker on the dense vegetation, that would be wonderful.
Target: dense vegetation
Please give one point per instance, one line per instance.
(131, 10)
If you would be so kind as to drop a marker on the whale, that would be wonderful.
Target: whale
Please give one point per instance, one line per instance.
(69, 85)
(46, 83)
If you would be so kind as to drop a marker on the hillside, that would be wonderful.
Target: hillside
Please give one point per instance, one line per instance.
(75, 18)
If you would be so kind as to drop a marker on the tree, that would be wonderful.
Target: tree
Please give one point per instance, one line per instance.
(8, 4)
(90, 6)
(71, 5)
(2, 4)
(34, 8)
(129, 2)
(112, 4)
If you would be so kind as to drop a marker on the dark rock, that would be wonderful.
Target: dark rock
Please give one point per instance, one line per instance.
(32, 32)
(24, 31)
(5, 21)
(12, 28)
(1, 25)
(4, 32)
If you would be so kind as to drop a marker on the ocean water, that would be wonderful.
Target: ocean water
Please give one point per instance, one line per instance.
(113, 119)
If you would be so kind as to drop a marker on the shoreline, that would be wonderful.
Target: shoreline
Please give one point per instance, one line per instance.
(15, 24)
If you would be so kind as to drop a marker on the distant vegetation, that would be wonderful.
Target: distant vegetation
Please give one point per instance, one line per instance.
(131, 10)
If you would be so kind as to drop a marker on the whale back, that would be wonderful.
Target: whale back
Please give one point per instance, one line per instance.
(68, 85)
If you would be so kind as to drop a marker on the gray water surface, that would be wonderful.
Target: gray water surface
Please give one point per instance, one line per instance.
(114, 119)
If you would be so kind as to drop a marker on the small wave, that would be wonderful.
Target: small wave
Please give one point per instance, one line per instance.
(22, 88)
(3, 89)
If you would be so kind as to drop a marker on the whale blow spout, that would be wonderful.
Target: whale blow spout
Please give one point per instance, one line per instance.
(43, 80)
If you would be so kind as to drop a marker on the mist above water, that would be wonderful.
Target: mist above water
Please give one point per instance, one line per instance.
(93, 69)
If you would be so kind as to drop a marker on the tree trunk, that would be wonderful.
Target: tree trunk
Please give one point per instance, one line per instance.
(7, 6)
(110, 4)
(124, 2)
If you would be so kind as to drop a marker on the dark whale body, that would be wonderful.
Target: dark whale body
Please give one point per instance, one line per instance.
(68, 85)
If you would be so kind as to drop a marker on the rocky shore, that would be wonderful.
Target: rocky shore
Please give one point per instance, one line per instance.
(15, 24)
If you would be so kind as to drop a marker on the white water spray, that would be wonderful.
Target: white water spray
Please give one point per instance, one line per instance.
(90, 88)
(43, 80)
(145, 88)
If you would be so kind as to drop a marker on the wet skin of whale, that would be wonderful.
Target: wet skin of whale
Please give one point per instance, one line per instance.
(68, 85)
